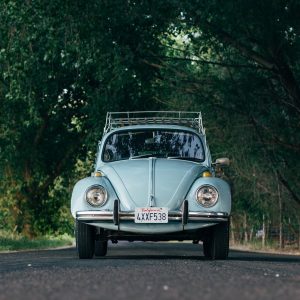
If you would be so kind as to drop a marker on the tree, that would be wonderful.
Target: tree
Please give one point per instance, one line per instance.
(63, 66)
(238, 62)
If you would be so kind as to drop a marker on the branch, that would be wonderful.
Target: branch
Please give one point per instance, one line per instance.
(228, 39)
(275, 138)
(59, 165)
(271, 161)
(147, 62)
(277, 65)
(288, 80)
(41, 130)
(274, 167)
(209, 62)
(287, 186)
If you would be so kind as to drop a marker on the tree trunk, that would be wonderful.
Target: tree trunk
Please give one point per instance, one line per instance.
(288, 81)
(245, 228)
(232, 229)
(263, 239)
(280, 215)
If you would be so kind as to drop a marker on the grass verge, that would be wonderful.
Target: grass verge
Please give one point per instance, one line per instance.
(268, 248)
(13, 242)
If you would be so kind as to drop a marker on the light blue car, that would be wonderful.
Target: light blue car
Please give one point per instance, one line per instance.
(154, 180)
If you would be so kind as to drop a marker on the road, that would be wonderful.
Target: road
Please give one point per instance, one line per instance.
(148, 271)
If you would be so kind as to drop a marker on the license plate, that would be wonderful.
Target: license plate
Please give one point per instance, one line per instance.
(151, 215)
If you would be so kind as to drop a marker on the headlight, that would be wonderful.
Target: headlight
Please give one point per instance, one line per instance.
(207, 196)
(96, 195)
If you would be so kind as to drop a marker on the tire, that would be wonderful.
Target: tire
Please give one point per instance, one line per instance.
(85, 240)
(216, 244)
(100, 248)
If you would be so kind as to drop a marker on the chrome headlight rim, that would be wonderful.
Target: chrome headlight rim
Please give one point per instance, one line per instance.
(94, 187)
(207, 205)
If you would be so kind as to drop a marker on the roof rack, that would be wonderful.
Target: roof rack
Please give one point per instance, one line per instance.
(186, 118)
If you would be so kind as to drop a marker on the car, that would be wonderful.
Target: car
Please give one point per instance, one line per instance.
(154, 180)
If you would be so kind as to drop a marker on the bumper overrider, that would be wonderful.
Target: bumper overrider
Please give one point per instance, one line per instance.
(184, 216)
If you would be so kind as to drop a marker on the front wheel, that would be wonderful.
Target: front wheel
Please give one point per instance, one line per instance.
(100, 248)
(85, 240)
(216, 243)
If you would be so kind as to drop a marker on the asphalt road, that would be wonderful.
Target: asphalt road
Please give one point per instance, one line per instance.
(148, 271)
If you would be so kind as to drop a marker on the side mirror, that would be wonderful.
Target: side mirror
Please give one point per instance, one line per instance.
(224, 161)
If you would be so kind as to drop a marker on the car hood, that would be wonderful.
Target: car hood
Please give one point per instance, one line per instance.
(152, 181)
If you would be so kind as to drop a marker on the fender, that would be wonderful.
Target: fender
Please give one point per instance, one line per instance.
(223, 188)
(78, 202)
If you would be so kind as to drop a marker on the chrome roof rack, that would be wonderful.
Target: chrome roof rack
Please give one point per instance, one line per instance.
(186, 118)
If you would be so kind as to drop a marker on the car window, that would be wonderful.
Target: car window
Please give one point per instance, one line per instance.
(159, 143)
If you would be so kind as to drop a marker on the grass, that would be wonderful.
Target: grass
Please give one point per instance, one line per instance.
(13, 242)
(270, 246)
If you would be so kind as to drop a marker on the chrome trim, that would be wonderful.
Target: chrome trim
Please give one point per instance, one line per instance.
(206, 185)
(173, 216)
(151, 182)
(95, 186)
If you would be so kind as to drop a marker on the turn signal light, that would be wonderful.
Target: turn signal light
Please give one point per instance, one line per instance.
(206, 174)
(98, 174)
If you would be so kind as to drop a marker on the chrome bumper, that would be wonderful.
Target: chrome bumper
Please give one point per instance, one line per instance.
(95, 216)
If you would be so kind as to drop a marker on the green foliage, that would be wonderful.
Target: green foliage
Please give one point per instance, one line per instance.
(63, 66)
(237, 62)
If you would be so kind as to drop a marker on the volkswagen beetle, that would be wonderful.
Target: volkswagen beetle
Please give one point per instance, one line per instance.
(154, 180)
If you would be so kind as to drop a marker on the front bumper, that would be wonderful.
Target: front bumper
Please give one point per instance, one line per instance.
(181, 216)
(180, 220)
(182, 223)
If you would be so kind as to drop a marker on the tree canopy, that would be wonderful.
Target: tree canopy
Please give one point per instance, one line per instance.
(65, 64)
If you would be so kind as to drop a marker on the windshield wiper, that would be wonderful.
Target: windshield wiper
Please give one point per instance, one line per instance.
(184, 158)
(142, 156)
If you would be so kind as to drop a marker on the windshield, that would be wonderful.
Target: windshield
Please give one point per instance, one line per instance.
(157, 143)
